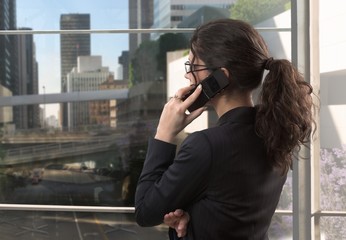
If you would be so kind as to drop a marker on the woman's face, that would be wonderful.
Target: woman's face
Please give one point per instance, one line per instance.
(198, 70)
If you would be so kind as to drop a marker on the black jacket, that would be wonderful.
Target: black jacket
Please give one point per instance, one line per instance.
(220, 176)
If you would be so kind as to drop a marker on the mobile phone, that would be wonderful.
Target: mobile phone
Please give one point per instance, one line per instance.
(211, 85)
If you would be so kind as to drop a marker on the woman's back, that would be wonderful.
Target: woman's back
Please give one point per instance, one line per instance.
(243, 189)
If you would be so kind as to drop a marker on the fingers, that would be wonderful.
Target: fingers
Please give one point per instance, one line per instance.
(192, 97)
(169, 220)
(178, 220)
(182, 225)
(180, 94)
(178, 212)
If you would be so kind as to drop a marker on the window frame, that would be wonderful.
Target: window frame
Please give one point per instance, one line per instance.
(305, 53)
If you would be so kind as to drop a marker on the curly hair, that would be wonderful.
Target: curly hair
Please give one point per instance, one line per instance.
(285, 110)
(284, 117)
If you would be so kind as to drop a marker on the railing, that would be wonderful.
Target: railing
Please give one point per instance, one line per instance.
(50, 151)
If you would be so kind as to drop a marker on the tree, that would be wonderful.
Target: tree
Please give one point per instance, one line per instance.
(255, 11)
(144, 64)
(149, 62)
(169, 42)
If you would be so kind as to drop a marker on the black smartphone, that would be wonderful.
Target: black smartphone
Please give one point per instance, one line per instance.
(211, 85)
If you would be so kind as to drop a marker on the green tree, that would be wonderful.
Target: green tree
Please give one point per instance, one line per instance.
(255, 11)
(169, 42)
(149, 62)
(144, 64)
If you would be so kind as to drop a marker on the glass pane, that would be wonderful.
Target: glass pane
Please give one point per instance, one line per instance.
(332, 117)
(281, 227)
(333, 106)
(45, 15)
(333, 228)
(84, 151)
(96, 160)
(28, 225)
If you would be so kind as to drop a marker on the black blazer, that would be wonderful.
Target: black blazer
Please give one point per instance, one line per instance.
(220, 176)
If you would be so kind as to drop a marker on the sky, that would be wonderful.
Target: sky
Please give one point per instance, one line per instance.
(45, 15)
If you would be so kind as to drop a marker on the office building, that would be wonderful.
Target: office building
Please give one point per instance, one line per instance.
(18, 68)
(8, 46)
(27, 116)
(104, 112)
(169, 13)
(72, 46)
(140, 17)
(8, 57)
(87, 76)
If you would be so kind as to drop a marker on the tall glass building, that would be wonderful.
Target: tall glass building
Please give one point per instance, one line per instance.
(8, 72)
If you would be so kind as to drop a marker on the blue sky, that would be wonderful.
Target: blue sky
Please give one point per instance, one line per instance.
(45, 15)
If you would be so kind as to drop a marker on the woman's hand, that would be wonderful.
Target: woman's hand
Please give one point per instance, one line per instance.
(178, 220)
(174, 118)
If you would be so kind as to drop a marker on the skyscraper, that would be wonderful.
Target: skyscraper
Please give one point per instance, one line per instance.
(71, 46)
(169, 13)
(9, 80)
(8, 46)
(141, 16)
(27, 116)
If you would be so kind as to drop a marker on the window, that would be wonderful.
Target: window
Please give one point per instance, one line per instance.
(76, 115)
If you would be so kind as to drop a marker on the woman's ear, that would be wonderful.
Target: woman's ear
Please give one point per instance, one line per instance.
(225, 71)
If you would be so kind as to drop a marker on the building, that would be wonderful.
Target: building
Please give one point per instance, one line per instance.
(140, 17)
(8, 51)
(18, 67)
(8, 56)
(169, 13)
(6, 113)
(87, 76)
(104, 112)
(72, 46)
(203, 15)
(27, 116)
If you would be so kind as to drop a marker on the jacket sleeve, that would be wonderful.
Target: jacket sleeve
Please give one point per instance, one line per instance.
(169, 182)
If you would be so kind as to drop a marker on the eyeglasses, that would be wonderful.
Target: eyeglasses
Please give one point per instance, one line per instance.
(189, 67)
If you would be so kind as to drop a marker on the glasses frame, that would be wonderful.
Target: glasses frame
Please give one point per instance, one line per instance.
(190, 67)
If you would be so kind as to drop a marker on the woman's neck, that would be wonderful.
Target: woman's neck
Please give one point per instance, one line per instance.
(226, 102)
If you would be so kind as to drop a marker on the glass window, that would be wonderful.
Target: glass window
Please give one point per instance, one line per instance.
(332, 117)
(82, 89)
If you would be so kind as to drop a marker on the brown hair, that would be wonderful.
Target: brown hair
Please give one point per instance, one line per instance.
(284, 113)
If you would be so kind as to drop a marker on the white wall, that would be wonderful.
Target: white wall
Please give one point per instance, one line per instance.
(332, 35)
(333, 73)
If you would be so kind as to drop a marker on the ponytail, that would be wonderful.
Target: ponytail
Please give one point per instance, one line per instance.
(285, 111)
(284, 117)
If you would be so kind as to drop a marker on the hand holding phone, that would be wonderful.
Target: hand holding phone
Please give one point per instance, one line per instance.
(211, 85)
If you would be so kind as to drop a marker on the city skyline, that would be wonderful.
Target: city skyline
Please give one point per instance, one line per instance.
(43, 15)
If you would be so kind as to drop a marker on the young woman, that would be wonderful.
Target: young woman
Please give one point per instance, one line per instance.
(225, 182)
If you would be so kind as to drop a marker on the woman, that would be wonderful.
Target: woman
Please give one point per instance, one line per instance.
(225, 182)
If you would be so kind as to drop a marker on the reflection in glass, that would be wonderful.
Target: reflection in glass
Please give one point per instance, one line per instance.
(31, 225)
(94, 165)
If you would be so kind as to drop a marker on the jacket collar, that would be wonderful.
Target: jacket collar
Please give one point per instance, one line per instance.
(239, 115)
